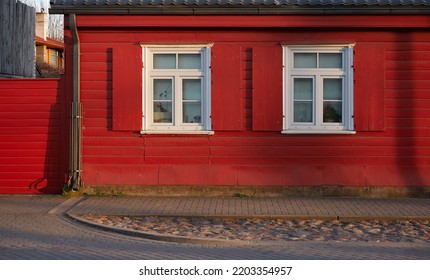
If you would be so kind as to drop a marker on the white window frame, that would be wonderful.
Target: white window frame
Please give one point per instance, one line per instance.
(177, 75)
(317, 126)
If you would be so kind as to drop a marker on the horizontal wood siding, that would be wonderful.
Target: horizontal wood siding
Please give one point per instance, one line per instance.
(260, 21)
(32, 122)
(393, 151)
(246, 86)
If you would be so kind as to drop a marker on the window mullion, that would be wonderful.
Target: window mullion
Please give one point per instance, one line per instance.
(318, 100)
(345, 109)
(178, 100)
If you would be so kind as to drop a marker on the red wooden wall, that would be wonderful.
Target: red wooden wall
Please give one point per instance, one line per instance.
(392, 101)
(32, 151)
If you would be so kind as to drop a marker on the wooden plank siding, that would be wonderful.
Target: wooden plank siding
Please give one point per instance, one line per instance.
(127, 97)
(246, 86)
(267, 88)
(255, 21)
(227, 106)
(33, 153)
(369, 85)
(391, 149)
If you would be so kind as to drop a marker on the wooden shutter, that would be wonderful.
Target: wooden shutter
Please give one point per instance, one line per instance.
(127, 88)
(267, 88)
(227, 108)
(369, 95)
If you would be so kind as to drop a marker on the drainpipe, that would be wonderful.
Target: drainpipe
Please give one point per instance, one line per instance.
(75, 178)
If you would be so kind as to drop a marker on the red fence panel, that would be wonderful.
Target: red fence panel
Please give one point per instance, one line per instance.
(32, 130)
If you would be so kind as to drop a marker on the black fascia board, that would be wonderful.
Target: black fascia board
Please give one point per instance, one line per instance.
(240, 10)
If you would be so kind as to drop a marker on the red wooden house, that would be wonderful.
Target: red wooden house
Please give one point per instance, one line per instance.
(248, 93)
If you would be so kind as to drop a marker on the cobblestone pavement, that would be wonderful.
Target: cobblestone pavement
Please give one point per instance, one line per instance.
(264, 230)
(34, 227)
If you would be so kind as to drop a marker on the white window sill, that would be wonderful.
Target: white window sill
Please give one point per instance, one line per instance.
(205, 132)
(318, 132)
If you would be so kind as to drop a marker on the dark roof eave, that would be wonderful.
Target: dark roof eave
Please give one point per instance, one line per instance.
(199, 10)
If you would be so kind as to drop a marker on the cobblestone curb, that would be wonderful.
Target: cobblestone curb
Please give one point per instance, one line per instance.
(162, 237)
(258, 231)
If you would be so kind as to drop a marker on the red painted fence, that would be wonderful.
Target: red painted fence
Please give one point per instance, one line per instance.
(32, 153)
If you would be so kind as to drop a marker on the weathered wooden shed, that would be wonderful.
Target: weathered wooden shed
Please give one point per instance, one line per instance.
(285, 93)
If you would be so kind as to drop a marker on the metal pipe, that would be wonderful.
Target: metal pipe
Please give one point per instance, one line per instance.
(75, 176)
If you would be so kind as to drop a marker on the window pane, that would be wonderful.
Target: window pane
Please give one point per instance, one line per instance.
(332, 111)
(330, 60)
(163, 89)
(191, 112)
(303, 89)
(163, 112)
(303, 100)
(162, 98)
(332, 89)
(164, 61)
(305, 60)
(52, 57)
(191, 89)
(189, 61)
(303, 111)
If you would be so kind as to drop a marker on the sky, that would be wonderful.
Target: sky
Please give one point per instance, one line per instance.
(55, 22)
(38, 4)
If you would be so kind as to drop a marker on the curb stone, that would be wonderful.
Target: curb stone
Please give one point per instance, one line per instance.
(163, 237)
(67, 205)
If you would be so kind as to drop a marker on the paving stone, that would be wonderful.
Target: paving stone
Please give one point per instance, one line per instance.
(28, 231)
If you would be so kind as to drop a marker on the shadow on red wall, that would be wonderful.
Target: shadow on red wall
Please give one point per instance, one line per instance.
(409, 120)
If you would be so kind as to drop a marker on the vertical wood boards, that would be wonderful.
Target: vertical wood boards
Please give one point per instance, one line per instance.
(369, 91)
(267, 88)
(17, 35)
(227, 107)
(127, 88)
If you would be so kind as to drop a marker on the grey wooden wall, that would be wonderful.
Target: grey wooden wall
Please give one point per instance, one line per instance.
(17, 37)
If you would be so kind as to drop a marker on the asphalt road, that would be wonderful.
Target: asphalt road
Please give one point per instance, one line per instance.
(36, 228)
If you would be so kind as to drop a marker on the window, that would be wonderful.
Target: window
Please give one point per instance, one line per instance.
(318, 89)
(176, 83)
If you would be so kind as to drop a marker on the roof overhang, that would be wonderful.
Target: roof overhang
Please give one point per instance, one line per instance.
(50, 43)
(240, 10)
